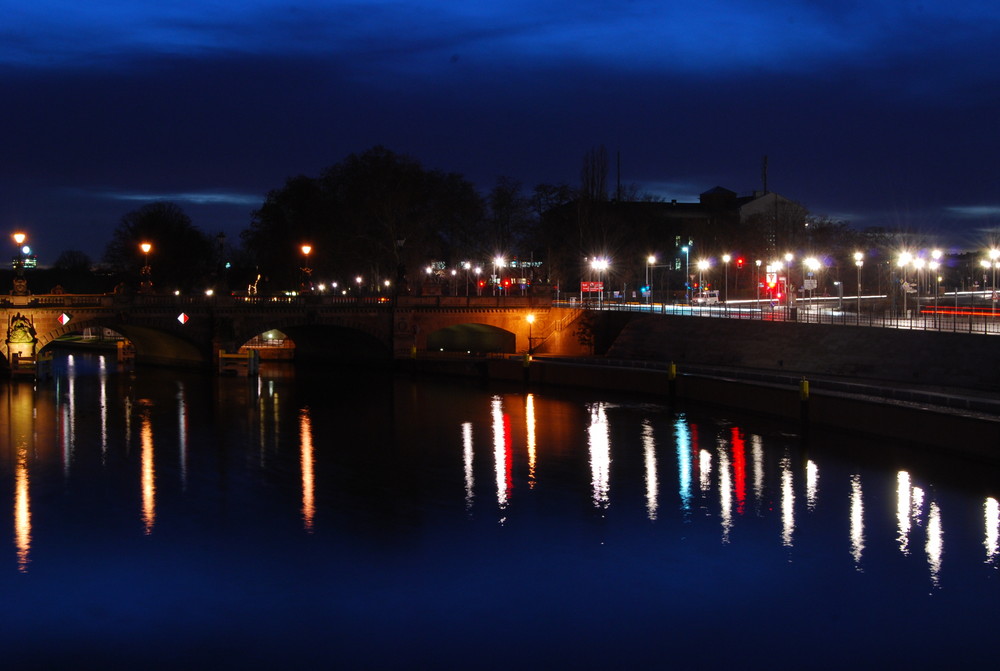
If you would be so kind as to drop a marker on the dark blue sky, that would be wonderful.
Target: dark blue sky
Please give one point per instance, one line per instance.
(882, 113)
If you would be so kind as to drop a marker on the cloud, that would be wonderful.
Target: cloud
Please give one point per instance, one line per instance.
(971, 211)
(192, 197)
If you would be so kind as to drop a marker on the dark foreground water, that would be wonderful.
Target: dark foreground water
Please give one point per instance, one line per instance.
(170, 520)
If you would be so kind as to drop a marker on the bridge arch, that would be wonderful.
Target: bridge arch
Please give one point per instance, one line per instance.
(472, 337)
(151, 345)
(323, 342)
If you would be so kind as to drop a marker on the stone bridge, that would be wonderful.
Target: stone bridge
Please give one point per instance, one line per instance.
(191, 331)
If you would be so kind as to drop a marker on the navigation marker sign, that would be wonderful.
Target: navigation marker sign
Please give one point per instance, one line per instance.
(182, 318)
(64, 318)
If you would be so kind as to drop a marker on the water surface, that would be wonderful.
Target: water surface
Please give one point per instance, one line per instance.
(160, 519)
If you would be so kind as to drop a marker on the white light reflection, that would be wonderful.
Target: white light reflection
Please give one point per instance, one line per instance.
(787, 503)
(308, 461)
(652, 484)
(683, 439)
(502, 454)
(757, 454)
(529, 418)
(909, 509)
(857, 521)
(935, 543)
(991, 510)
(148, 474)
(103, 387)
(68, 416)
(812, 484)
(725, 494)
(599, 440)
(467, 458)
(704, 470)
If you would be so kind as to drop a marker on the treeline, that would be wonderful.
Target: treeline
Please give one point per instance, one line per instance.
(385, 217)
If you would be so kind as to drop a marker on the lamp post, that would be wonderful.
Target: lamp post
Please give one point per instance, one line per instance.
(20, 283)
(600, 265)
(994, 255)
(467, 266)
(726, 258)
(479, 289)
(813, 265)
(903, 261)
(146, 274)
(650, 261)
(789, 285)
(703, 265)
(497, 272)
(933, 265)
(306, 270)
(531, 320)
(859, 261)
(756, 280)
(357, 281)
(687, 273)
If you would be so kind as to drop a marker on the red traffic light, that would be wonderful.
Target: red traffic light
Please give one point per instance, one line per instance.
(739, 262)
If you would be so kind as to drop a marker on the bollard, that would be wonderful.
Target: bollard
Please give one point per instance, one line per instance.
(672, 381)
(527, 363)
(804, 400)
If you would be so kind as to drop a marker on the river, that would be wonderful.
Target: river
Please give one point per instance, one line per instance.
(326, 519)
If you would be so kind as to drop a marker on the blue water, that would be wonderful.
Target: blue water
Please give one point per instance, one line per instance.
(161, 519)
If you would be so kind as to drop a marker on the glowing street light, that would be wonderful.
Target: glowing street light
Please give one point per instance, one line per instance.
(531, 320)
(497, 272)
(859, 261)
(756, 279)
(994, 255)
(146, 279)
(687, 273)
(600, 265)
(306, 270)
(479, 289)
(726, 258)
(650, 261)
(904, 260)
(703, 265)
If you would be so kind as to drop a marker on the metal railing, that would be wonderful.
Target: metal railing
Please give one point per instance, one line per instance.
(926, 317)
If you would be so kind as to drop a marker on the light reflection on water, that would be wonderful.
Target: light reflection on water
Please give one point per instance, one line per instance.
(466, 508)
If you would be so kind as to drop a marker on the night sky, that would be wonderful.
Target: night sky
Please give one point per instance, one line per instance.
(881, 113)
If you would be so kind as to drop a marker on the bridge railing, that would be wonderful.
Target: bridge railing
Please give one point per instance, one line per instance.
(262, 301)
(923, 318)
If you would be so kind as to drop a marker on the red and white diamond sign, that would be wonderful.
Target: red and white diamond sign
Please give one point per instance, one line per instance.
(64, 318)
(182, 318)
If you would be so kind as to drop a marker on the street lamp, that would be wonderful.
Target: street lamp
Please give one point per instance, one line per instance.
(467, 266)
(687, 273)
(756, 279)
(146, 279)
(859, 261)
(903, 261)
(933, 265)
(994, 255)
(726, 258)
(789, 257)
(497, 265)
(600, 265)
(531, 320)
(703, 265)
(358, 281)
(650, 261)
(306, 270)
(479, 289)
